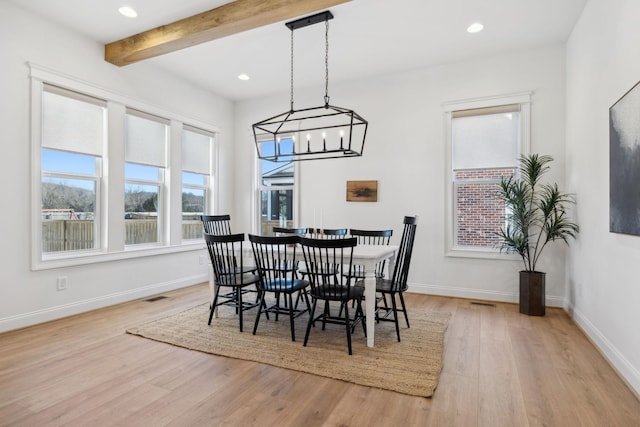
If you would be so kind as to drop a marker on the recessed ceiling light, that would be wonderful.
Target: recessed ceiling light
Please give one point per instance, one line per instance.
(128, 11)
(243, 76)
(476, 27)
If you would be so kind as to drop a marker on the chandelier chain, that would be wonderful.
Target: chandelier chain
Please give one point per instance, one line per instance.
(326, 63)
(291, 69)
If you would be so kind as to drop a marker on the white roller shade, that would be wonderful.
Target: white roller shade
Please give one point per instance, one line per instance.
(196, 151)
(485, 137)
(146, 139)
(72, 121)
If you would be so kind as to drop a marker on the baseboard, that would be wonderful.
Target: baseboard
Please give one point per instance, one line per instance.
(481, 294)
(58, 312)
(629, 374)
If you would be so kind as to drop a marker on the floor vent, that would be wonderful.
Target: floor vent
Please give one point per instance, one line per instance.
(154, 299)
(486, 304)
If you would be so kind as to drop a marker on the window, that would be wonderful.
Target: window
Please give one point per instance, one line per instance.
(73, 134)
(276, 190)
(196, 171)
(146, 160)
(485, 142)
(108, 174)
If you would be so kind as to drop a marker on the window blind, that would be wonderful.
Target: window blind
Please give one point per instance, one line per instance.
(485, 137)
(72, 122)
(196, 150)
(146, 139)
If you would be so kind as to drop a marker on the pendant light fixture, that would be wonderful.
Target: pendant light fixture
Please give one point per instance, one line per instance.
(323, 132)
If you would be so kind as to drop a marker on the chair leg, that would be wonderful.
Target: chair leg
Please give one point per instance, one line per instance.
(313, 310)
(293, 329)
(362, 318)
(239, 307)
(278, 304)
(326, 313)
(260, 309)
(306, 300)
(264, 304)
(301, 294)
(348, 326)
(404, 309)
(395, 315)
(213, 304)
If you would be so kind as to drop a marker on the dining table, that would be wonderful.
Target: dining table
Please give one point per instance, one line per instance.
(368, 256)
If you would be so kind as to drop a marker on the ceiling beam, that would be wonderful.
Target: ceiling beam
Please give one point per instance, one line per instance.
(228, 19)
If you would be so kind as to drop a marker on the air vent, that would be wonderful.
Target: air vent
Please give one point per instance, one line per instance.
(486, 304)
(154, 299)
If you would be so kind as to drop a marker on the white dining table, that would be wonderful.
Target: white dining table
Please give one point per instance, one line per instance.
(367, 256)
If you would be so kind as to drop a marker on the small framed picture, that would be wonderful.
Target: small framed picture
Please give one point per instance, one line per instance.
(362, 191)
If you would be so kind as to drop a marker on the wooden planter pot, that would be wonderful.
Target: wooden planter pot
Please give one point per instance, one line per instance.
(532, 294)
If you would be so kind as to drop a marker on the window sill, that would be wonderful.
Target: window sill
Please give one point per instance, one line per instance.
(480, 253)
(75, 259)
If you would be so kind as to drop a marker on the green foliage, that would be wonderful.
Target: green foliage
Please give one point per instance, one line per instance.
(536, 213)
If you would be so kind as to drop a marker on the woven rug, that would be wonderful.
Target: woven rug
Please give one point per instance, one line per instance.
(411, 366)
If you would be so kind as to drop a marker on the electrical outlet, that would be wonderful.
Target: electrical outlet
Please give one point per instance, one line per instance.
(201, 260)
(61, 283)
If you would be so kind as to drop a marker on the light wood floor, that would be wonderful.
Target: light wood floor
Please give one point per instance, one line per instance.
(500, 369)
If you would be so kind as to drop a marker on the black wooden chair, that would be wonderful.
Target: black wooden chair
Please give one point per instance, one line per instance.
(327, 261)
(276, 260)
(326, 233)
(220, 225)
(397, 284)
(226, 260)
(283, 231)
(217, 225)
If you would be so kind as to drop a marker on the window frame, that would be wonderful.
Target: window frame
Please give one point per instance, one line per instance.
(206, 187)
(111, 198)
(96, 178)
(159, 182)
(258, 187)
(524, 100)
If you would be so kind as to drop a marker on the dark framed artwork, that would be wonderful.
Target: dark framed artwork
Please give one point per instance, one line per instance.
(624, 163)
(362, 191)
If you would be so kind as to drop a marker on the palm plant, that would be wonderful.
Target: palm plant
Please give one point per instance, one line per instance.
(536, 212)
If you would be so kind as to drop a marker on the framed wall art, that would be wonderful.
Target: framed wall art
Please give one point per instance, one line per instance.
(362, 191)
(624, 163)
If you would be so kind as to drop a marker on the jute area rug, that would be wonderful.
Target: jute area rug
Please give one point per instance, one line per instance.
(411, 366)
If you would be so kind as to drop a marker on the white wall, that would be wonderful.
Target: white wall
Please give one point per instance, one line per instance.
(405, 152)
(28, 297)
(603, 288)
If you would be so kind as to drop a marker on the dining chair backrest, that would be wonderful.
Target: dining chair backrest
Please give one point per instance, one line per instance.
(283, 231)
(216, 224)
(275, 258)
(372, 237)
(333, 233)
(225, 252)
(403, 257)
(328, 262)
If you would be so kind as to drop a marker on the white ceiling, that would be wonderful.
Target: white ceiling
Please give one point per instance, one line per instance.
(367, 37)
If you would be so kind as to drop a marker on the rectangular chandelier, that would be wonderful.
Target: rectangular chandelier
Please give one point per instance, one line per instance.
(323, 132)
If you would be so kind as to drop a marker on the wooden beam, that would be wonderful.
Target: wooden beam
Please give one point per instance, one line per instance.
(228, 19)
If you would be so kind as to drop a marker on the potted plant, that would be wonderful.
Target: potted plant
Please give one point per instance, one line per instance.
(535, 215)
